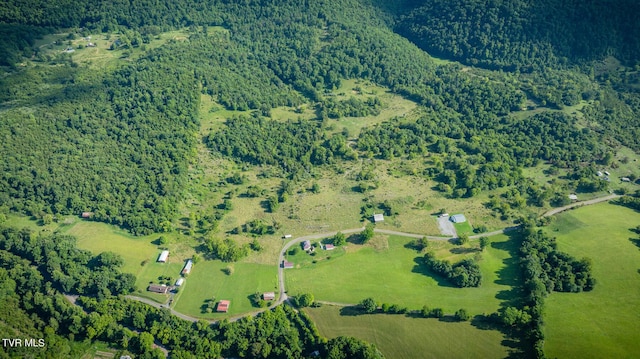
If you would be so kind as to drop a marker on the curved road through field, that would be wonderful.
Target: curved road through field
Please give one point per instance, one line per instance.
(283, 293)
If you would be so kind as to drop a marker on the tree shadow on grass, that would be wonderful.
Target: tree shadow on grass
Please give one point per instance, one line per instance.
(351, 311)
(635, 241)
(421, 268)
(462, 250)
(510, 275)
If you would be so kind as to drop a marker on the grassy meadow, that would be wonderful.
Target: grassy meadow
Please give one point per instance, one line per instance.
(389, 272)
(208, 280)
(606, 321)
(399, 336)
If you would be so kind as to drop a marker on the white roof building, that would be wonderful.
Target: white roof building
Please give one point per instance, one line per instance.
(378, 217)
(458, 218)
(163, 256)
(179, 282)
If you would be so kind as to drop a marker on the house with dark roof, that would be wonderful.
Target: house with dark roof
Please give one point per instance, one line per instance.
(159, 288)
(306, 245)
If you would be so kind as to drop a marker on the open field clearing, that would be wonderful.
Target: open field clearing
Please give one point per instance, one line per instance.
(207, 280)
(387, 271)
(398, 336)
(606, 321)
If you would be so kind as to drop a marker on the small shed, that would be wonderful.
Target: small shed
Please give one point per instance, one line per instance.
(286, 264)
(625, 179)
(286, 236)
(179, 282)
(573, 197)
(378, 218)
(87, 214)
(329, 247)
(458, 218)
(599, 174)
(306, 245)
(187, 267)
(269, 296)
(223, 306)
(164, 255)
(159, 288)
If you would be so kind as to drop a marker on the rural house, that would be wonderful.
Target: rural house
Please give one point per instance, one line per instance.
(458, 218)
(159, 288)
(223, 306)
(306, 245)
(269, 296)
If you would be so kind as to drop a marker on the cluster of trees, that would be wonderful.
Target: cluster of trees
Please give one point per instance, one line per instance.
(67, 268)
(351, 107)
(465, 273)
(544, 269)
(226, 250)
(521, 35)
(293, 146)
(470, 156)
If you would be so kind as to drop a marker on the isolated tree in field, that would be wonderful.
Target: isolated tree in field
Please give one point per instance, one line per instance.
(305, 300)
(339, 239)
(368, 305)
(367, 234)
(462, 315)
(463, 239)
(484, 242)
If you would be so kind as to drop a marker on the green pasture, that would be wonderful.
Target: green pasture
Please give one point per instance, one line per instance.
(604, 322)
(464, 227)
(387, 271)
(399, 336)
(207, 280)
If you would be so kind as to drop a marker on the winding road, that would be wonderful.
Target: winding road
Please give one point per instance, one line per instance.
(282, 291)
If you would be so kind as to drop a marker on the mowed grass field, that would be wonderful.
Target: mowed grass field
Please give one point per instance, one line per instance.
(207, 280)
(603, 323)
(388, 272)
(399, 336)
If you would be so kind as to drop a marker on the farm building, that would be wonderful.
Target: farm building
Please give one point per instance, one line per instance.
(458, 218)
(306, 245)
(287, 236)
(269, 296)
(286, 264)
(157, 288)
(329, 247)
(573, 197)
(625, 179)
(179, 282)
(187, 267)
(378, 217)
(87, 214)
(164, 255)
(223, 306)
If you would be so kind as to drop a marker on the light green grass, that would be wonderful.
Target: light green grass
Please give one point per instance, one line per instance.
(398, 336)
(394, 274)
(207, 281)
(99, 237)
(463, 228)
(603, 323)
